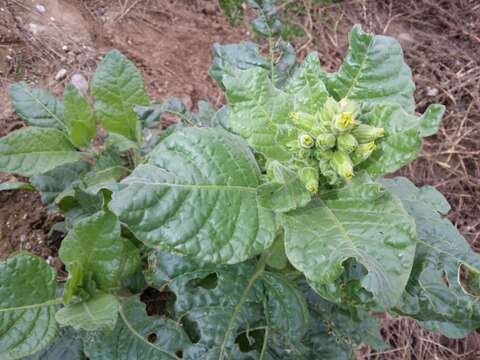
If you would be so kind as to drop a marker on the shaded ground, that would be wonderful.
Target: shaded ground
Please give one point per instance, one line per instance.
(170, 41)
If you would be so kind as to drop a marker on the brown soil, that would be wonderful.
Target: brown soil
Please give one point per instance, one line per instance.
(170, 41)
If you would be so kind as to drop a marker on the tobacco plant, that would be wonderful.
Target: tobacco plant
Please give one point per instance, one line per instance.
(263, 230)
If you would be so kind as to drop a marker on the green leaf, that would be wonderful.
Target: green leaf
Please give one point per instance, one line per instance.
(137, 336)
(67, 346)
(349, 325)
(403, 136)
(278, 259)
(56, 181)
(33, 150)
(363, 222)
(79, 118)
(373, 72)
(218, 304)
(285, 63)
(241, 56)
(37, 106)
(108, 175)
(196, 196)
(307, 87)
(101, 311)
(286, 192)
(16, 186)
(27, 306)
(257, 109)
(434, 294)
(95, 248)
(117, 87)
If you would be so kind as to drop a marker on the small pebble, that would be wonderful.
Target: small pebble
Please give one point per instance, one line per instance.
(431, 91)
(40, 8)
(33, 28)
(79, 81)
(61, 74)
(65, 48)
(23, 238)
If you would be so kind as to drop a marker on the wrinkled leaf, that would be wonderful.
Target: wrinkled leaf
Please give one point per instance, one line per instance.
(285, 192)
(137, 336)
(99, 312)
(34, 150)
(67, 346)
(27, 306)
(257, 109)
(94, 248)
(54, 182)
(363, 222)
(374, 71)
(307, 87)
(37, 106)
(117, 87)
(227, 58)
(196, 196)
(79, 118)
(220, 303)
(403, 136)
(433, 294)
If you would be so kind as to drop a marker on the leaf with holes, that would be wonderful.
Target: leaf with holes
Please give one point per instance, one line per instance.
(363, 222)
(434, 294)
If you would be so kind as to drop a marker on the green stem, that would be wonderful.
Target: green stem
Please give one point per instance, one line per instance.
(258, 271)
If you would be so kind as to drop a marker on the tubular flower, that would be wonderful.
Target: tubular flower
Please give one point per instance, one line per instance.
(309, 176)
(325, 141)
(365, 133)
(342, 164)
(347, 143)
(306, 141)
(363, 152)
(344, 121)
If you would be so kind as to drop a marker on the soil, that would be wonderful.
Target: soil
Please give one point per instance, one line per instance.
(170, 41)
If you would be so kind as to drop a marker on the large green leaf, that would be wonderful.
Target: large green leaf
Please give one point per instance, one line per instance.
(363, 222)
(33, 150)
(307, 87)
(37, 106)
(27, 306)
(434, 293)
(374, 71)
(403, 136)
(257, 109)
(222, 303)
(138, 336)
(93, 250)
(196, 196)
(79, 118)
(117, 86)
(67, 346)
(241, 56)
(96, 313)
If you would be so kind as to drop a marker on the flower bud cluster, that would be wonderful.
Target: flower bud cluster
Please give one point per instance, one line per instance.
(331, 143)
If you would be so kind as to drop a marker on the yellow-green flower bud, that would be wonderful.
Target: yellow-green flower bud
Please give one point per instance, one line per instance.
(366, 133)
(362, 152)
(347, 143)
(344, 121)
(306, 141)
(309, 176)
(342, 164)
(325, 141)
